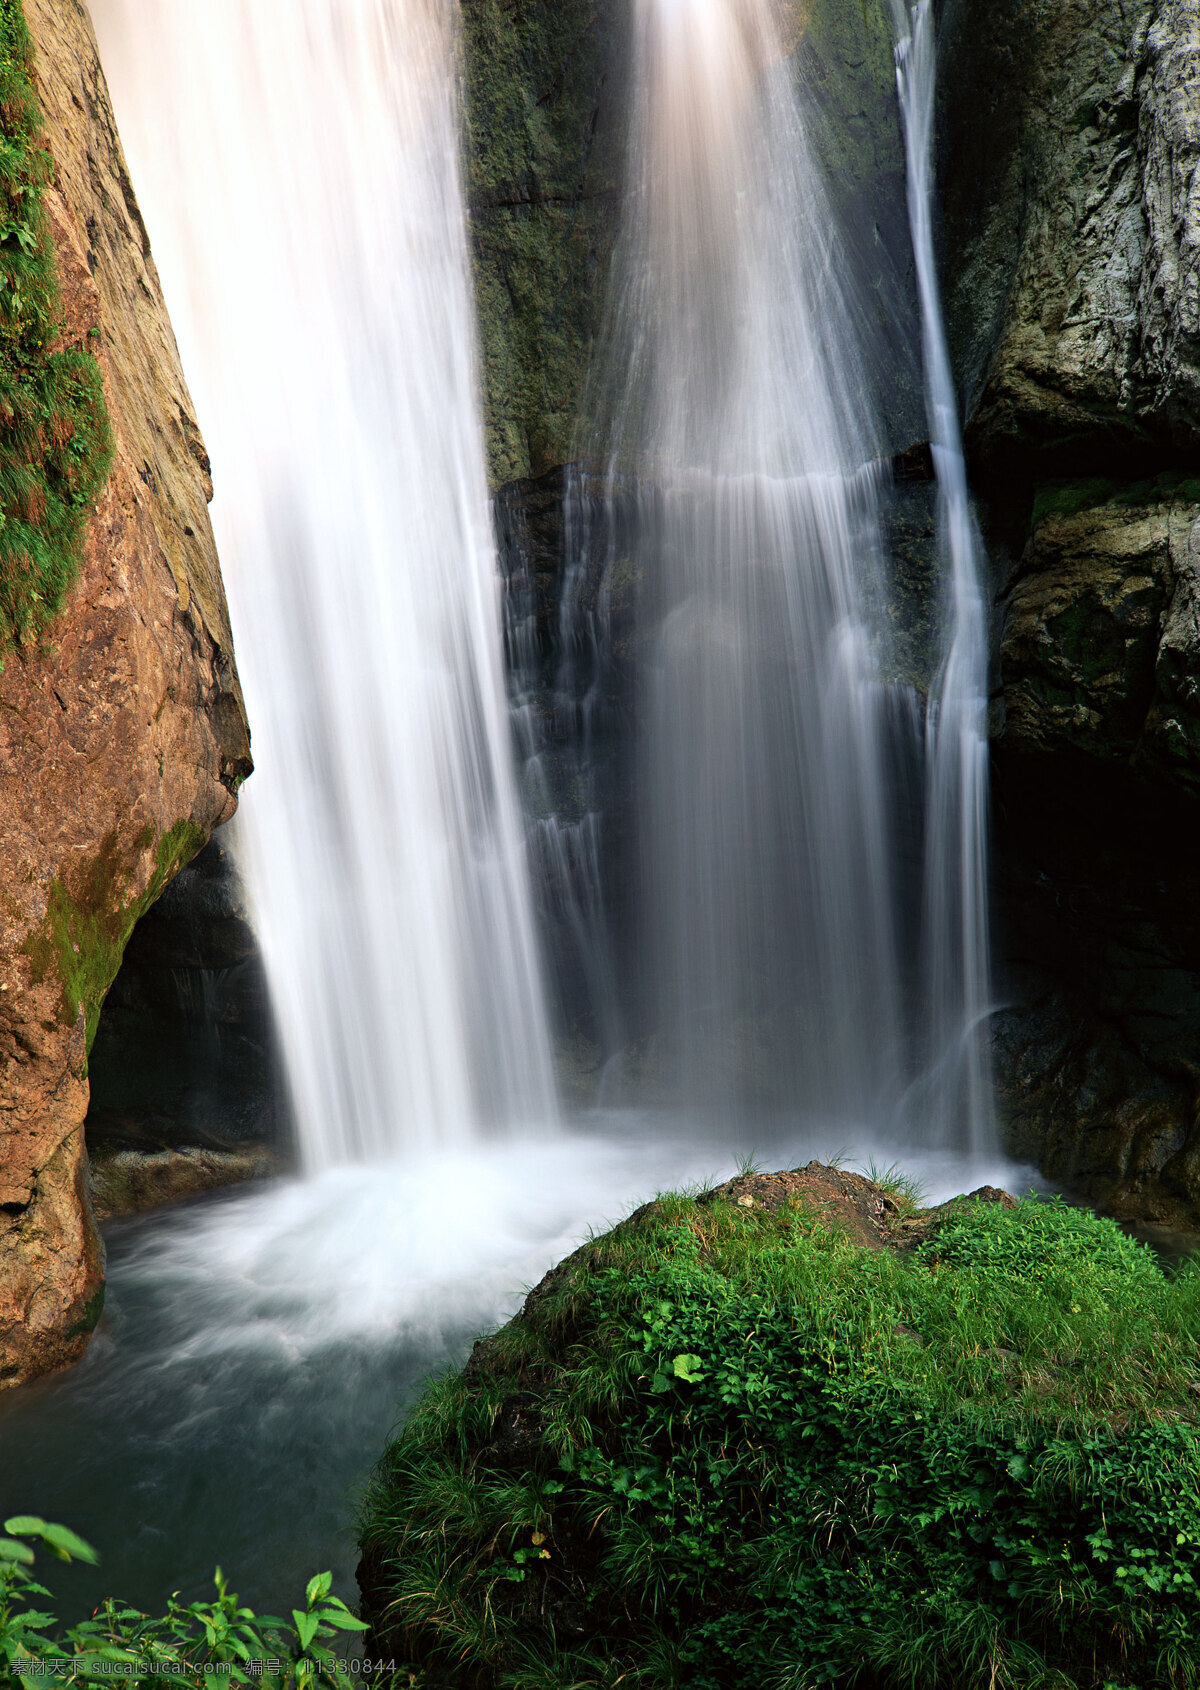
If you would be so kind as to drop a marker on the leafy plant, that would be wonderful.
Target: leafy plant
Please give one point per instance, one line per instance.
(754, 1452)
(140, 1648)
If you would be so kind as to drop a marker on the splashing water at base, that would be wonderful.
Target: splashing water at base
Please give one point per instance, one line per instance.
(258, 1346)
(297, 163)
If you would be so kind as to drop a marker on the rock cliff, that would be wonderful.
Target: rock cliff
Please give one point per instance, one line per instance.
(1073, 136)
(1071, 140)
(123, 736)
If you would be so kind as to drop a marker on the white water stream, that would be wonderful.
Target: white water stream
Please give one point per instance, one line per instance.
(730, 405)
(297, 164)
(729, 387)
(957, 994)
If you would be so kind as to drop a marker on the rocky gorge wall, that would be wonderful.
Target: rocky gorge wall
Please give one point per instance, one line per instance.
(1070, 146)
(123, 736)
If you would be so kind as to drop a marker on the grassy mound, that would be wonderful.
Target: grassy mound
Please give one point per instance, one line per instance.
(795, 1433)
(55, 440)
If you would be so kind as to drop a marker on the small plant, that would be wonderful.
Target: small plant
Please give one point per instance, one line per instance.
(219, 1639)
(907, 1193)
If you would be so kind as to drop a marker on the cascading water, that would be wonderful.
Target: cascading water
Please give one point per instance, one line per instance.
(556, 762)
(957, 973)
(297, 161)
(730, 393)
(298, 165)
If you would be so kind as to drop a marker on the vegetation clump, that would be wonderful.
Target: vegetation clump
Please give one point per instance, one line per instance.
(797, 1433)
(55, 440)
(198, 1641)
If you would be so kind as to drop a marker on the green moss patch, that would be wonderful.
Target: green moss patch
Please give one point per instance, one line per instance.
(752, 1438)
(1066, 498)
(55, 439)
(89, 919)
(542, 157)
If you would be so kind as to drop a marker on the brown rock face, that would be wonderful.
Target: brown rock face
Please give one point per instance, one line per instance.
(122, 733)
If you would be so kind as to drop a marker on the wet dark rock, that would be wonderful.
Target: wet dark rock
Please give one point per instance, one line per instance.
(1101, 649)
(1098, 885)
(1072, 236)
(128, 1182)
(1072, 256)
(184, 1065)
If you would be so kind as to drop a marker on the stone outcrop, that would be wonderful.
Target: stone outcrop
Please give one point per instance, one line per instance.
(129, 1182)
(1071, 146)
(123, 736)
(1072, 137)
(1101, 648)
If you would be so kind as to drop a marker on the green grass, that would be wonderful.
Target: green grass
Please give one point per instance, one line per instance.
(55, 440)
(726, 1447)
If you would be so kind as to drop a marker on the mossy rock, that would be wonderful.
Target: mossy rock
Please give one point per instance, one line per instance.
(89, 920)
(796, 1432)
(56, 443)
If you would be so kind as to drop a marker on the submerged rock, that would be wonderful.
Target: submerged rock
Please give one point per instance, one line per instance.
(128, 1182)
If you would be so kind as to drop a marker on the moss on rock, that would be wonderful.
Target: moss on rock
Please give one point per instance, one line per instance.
(795, 1432)
(542, 162)
(55, 441)
(88, 922)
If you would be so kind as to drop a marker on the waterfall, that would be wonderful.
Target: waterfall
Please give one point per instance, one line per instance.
(729, 392)
(956, 950)
(297, 162)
